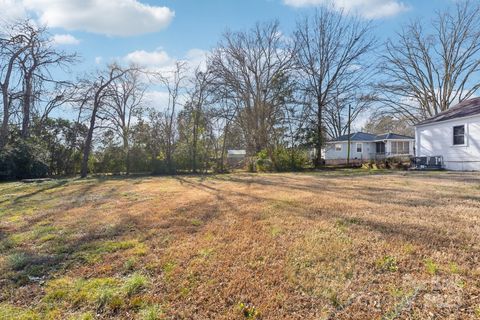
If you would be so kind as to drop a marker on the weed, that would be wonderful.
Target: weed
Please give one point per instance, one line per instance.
(151, 312)
(92, 253)
(18, 261)
(453, 267)
(335, 300)
(409, 248)
(135, 283)
(248, 310)
(275, 231)
(83, 316)
(205, 253)
(431, 266)
(129, 265)
(168, 268)
(196, 222)
(9, 312)
(387, 264)
(99, 292)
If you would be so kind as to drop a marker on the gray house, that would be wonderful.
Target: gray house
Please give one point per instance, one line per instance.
(366, 146)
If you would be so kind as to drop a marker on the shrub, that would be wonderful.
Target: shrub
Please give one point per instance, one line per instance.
(23, 160)
(160, 166)
(264, 163)
(281, 160)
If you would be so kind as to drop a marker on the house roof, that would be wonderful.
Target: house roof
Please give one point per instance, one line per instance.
(391, 136)
(465, 108)
(363, 136)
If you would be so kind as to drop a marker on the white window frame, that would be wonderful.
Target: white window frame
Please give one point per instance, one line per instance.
(361, 147)
(338, 147)
(464, 135)
(402, 150)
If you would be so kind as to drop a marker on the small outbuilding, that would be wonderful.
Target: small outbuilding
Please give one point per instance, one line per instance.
(236, 158)
(453, 135)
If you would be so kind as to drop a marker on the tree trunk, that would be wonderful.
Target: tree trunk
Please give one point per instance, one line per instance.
(6, 118)
(224, 142)
(319, 142)
(88, 142)
(26, 107)
(126, 149)
(195, 139)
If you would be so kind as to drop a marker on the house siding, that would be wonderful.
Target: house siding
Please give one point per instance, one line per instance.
(436, 139)
(368, 149)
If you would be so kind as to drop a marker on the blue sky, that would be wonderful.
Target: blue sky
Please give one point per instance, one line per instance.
(163, 30)
(156, 33)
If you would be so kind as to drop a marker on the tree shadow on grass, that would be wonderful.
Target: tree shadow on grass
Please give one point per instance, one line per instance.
(50, 186)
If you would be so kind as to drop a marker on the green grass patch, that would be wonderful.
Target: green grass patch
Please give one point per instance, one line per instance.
(93, 252)
(135, 284)
(431, 267)
(387, 264)
(100, 293)
(151, 312)
(9, 312)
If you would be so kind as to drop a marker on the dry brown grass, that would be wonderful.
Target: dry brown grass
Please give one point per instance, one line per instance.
(334, 245)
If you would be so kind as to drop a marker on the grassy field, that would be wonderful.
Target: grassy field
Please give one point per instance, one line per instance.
(331, 245)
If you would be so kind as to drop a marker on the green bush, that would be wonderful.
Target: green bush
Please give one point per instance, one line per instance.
(23, 160)
(264, 163)
(282, 159)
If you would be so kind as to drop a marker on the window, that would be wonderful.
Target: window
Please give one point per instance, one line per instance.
(459, 135)
(359, 147)
(338, 147)
(400, 147)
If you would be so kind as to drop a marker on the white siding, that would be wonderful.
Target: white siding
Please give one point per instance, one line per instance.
(368, 148)
(436, 139)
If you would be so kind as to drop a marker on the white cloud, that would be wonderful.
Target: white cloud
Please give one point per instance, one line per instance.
(370, 9)
(160, 61)
(11, 10)
(156, 98)
(157, 58)
(197, 58)
(98, 60)
(109, 17)
(65, 39)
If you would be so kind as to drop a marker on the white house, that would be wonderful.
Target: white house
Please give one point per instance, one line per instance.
(366, 146)
(454, 135)
(236, 158)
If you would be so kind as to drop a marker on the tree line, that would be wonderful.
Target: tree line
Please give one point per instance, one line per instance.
(275, 95)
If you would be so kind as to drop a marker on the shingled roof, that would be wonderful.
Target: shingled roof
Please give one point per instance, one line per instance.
(363, 136)
(466, 108)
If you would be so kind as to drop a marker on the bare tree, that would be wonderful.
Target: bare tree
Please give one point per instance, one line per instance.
(427, 68)
(198, 99)
(331, 54)
(95, 94)
(14, 41)
(125, 103)
(254, 68)
(174, 83)
(29, 57)
(338, 119)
